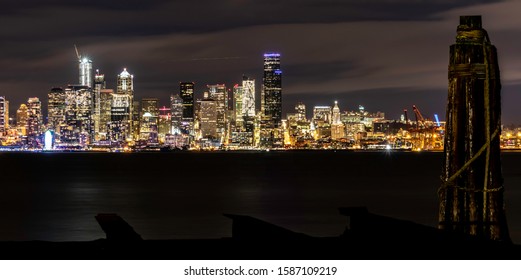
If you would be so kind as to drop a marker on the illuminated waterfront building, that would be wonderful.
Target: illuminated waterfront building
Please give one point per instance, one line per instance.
(164, 125)
(238, 101)
(56, 109)
(34, 121)
(272, 86)
(149, 120)
(120, 118)
(271, 103)
(4, 116)
(105, 100)
(22, 119)
(322, 116)
(337, 127)
(300, 110)
(219, 94)
(187, 95)
(208, 117)
(176, 113)
(248, 97)
(85, 70)
(125, 103)
(78, 115)
(99, 85)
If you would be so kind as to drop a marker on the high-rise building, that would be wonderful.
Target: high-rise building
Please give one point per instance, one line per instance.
(272, 87)
(22, 119)
(34, 121)
(125, 86)
(337, 127)
(121, 125)
(4, 117)
(149, 119)
(85, 70)
(176, 112)
(187, 95)
(208, 117)
(105, 100)
(219, 94)
(237, 97)
(99, 84)
(78, 115)
(56, 109)
(471, 195)
(300, 108)
(248, 97)
(164, 125)
(120, 118)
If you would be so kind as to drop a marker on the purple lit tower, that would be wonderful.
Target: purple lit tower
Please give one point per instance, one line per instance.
(471, 195)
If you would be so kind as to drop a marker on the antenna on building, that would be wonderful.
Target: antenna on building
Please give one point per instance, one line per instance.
(77, 52)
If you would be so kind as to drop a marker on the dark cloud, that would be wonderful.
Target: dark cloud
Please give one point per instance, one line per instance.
(383, 54)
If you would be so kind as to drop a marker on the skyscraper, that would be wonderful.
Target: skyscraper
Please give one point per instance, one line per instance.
(187, 95)
(78, 114)
(56, 109)
(105, 100)
(337, 127)
(121, 126)
(149, 119)
(208, 118)
(3, 120)
(176, 112)
(219, 94)
(85, 69)
(22, 118)
(272, 87)
(248, 97)
(237, 97)
(34, 121)
(99, 84)
(471, 196)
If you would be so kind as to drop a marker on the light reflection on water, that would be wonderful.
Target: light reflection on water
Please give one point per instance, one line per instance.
(184, 195)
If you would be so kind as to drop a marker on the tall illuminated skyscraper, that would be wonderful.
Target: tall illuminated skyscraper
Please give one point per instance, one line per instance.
(4, 117)
(78, 114)
(187, 95)
(176, 112)
(248, 97)
(149, 119)
(208, 116)
(22, 118)
(99, 84)
(237, 97)
(56, 109)
(272, 87)
(122, 108)
(219, 94)
(105, 112)
(337, 127)
(85, 69)
(34, 121)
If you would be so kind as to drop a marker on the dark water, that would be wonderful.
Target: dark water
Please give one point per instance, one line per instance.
(55, 196)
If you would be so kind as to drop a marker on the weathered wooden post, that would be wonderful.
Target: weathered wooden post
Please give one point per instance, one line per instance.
(471, 195)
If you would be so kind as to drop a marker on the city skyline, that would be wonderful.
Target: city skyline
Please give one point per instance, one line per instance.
(386, 55)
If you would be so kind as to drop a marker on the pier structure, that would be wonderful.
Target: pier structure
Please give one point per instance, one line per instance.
(471, 195)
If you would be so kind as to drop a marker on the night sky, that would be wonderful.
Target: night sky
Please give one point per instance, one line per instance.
(384, 54)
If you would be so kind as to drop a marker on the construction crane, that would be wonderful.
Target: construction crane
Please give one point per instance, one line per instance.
(77, 52)
(419, 117)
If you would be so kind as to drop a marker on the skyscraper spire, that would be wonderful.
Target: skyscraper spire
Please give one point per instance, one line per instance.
(85, 69)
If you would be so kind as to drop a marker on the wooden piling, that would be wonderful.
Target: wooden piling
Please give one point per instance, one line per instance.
(471, 195)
